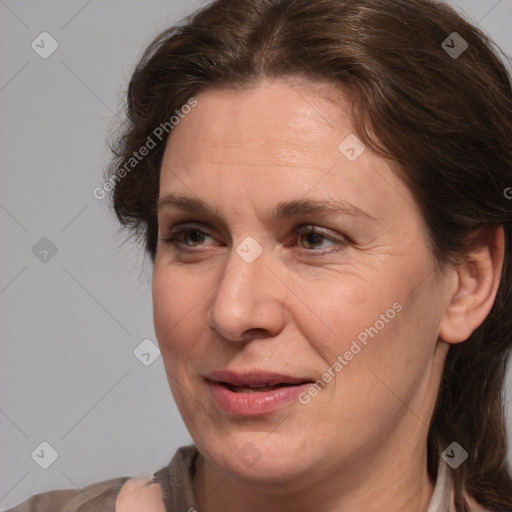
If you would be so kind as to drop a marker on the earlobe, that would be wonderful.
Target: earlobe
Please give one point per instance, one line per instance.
(476, 283)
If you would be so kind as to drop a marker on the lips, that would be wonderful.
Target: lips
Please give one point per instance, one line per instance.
(254, 379)
(253, 392)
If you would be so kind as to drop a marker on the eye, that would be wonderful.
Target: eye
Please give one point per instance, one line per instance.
(185, 236)
(313, 239)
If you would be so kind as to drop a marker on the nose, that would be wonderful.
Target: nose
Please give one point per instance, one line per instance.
(247, 302)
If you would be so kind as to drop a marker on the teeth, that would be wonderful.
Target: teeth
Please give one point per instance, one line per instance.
(237, 389)
(252, 389)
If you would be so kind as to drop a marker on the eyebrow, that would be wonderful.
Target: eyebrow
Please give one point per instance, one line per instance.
(281, 211)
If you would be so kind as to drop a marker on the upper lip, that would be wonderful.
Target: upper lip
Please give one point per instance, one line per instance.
(253, 378)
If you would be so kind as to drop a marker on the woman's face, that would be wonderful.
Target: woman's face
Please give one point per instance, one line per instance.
(297, 257)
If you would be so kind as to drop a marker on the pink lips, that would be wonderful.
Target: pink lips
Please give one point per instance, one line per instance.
(231, 392)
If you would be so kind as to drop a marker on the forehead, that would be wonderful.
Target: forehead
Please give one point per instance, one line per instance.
(272, 112)
(277, 141)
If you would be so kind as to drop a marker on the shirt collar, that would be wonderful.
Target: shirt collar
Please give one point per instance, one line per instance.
(441, 498)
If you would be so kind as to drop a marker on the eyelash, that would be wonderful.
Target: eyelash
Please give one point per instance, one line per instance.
(175, 236)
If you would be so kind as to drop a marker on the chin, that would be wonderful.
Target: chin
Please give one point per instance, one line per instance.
(258, 457)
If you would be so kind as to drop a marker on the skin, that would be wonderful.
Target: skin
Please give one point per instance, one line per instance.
(359, 445)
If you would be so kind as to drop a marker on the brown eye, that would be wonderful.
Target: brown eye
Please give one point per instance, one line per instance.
(185, 237)
(314, 240)
(195, 236)
(311, 240)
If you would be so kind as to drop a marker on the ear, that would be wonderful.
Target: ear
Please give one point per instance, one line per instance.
(475, 284)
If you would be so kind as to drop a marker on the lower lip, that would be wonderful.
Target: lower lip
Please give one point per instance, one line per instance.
(254, 403)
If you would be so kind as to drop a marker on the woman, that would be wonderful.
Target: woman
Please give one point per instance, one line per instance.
(322, 188)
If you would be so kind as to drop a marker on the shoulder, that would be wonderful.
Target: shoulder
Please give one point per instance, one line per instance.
(443, 498)
(169, 488)
(100, 495)
(140, 495)
(118, 495)
(473, 505)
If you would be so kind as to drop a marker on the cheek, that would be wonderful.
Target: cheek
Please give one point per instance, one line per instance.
(177, 302)
(375, 326)
(390, 353)
(339, 315)
(177, 308)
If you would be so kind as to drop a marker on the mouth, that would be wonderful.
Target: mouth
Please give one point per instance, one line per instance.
(254, 393)
(254, 380)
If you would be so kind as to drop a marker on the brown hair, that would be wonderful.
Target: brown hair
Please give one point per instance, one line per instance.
(446, 120)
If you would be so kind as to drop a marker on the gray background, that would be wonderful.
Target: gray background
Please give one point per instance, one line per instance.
(70, 324)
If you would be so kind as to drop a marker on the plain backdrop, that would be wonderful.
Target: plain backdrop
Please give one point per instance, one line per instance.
(75, 301)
